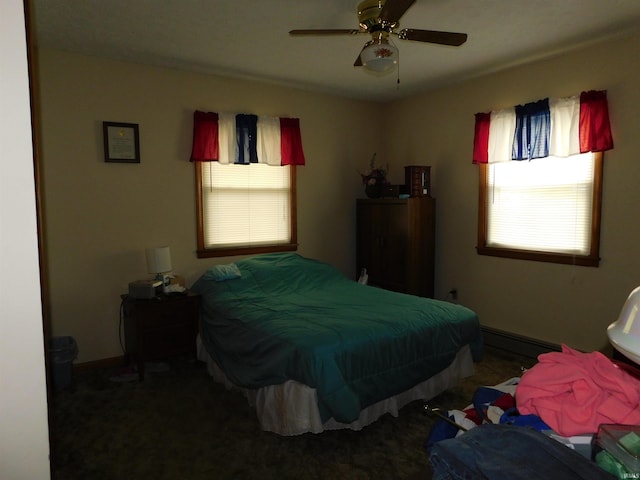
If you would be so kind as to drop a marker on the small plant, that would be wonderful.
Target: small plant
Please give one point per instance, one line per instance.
(374, 175)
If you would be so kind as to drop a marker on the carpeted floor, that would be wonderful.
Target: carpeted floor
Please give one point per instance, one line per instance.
(179, 424)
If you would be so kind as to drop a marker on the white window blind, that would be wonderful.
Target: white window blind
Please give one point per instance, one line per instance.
(544, 204)
(245, 205)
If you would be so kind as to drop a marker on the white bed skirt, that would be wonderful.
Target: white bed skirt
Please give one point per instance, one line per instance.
(291, 408)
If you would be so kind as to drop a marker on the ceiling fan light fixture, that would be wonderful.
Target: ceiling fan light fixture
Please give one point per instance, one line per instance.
(380, 19)
(379, 56)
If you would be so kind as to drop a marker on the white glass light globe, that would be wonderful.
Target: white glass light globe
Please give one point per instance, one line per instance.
(380, 56)
(624, 333)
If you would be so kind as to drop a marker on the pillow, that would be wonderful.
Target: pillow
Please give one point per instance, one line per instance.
(220, 273)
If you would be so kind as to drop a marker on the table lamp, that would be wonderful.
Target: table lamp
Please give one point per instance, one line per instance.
(159, 262)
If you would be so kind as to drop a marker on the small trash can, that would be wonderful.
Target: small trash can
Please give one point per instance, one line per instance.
(64, 350)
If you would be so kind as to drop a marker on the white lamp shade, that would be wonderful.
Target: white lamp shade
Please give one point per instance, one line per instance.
(158, 260)
(380, 56)
(624, 333)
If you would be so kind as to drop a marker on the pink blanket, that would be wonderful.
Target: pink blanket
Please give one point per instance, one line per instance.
(575, 392)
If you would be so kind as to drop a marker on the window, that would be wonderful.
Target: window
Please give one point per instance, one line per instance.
(245, 209)
(540, 194)
(546, 209)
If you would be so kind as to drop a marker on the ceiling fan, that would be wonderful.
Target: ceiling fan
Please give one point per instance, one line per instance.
(380, 19)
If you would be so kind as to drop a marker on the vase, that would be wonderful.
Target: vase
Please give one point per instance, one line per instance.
(373, 191)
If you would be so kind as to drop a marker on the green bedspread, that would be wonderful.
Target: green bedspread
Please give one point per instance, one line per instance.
(290, 317)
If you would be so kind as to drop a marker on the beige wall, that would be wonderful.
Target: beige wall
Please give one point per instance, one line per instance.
(101, 217)
(555, 303)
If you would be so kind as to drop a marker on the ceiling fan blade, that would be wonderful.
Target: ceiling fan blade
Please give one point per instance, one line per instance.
(431, 36)
(394, 9)
(335, 31)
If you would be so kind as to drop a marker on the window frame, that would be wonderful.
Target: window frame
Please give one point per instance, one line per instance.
(592, 259)
(204, 252)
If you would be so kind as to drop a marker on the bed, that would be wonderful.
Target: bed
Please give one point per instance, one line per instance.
(313, 350)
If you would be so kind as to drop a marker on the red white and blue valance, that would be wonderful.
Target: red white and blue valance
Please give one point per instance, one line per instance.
(549, 127)
(245, 139)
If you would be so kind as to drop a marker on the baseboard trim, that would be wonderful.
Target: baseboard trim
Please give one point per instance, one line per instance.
(102, 363)
(515, 343)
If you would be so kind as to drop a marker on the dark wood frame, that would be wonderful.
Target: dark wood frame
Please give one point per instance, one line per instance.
(136, 142)
(590, 260)
(204, 252)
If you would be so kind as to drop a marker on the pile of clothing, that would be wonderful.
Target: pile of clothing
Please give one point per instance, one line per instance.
(575, 392)
(566, 396)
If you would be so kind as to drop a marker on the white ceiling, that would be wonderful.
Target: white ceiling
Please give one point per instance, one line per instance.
(249, 38)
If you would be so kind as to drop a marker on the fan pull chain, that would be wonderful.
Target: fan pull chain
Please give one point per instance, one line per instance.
(398, 72)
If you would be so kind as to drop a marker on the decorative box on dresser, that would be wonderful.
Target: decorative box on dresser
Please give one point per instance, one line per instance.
(396, 243)
(160, 327)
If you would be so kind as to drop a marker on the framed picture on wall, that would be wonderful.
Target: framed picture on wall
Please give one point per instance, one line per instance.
(121, 142)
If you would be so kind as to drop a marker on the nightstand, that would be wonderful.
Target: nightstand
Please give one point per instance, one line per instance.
(160, 327)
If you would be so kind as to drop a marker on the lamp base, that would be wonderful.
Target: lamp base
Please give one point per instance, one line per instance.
(166, 281)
